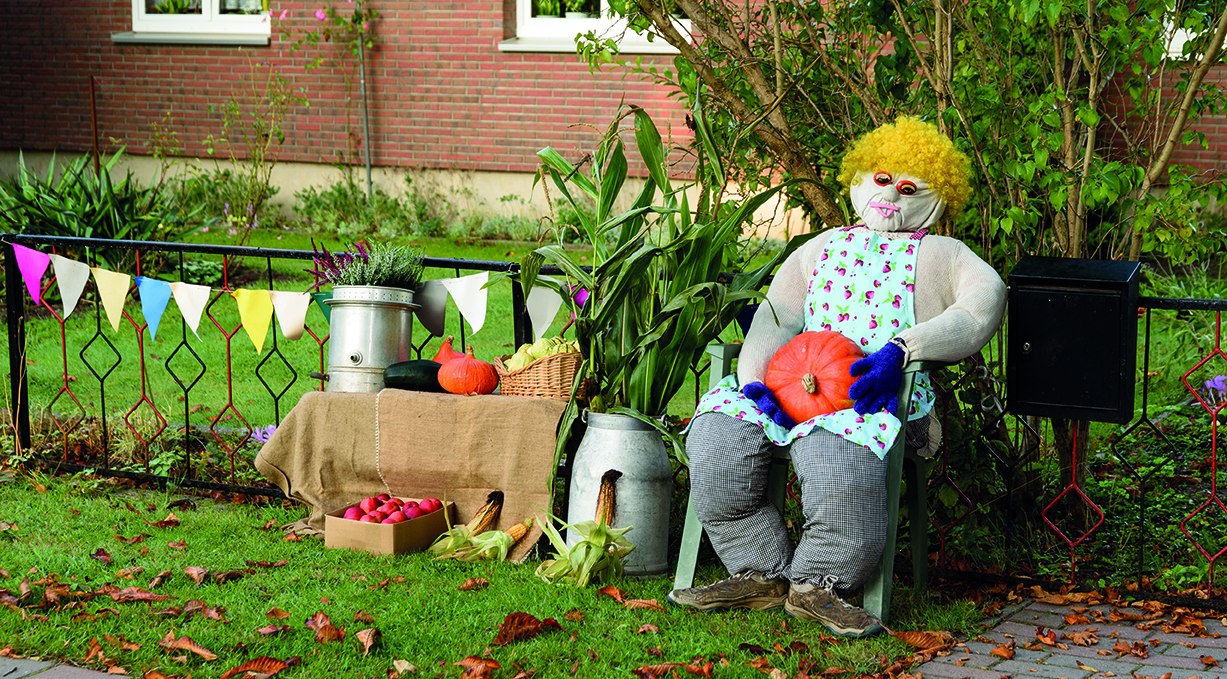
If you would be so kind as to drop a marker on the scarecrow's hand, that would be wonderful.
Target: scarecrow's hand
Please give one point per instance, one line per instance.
(879, 376)
(766, 402)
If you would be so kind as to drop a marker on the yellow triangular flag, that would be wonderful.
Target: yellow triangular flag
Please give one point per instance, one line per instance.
(113, 289)
(256, 312)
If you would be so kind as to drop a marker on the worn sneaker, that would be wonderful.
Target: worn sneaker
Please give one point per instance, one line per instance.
(810, 602)
(747, 589)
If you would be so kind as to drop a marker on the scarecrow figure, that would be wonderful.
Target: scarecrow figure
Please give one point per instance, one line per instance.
(900, 294)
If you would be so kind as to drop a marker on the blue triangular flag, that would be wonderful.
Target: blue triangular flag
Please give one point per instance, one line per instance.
(154, 296)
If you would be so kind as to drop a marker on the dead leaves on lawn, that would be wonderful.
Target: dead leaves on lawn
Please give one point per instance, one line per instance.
(519, 626)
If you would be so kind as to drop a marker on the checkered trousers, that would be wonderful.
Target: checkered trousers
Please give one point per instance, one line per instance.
(843, 498)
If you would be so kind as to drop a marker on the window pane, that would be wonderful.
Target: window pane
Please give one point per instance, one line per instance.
(172, 6)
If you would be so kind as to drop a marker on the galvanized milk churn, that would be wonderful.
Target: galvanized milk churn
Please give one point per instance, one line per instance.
(643, 492)
(371, 328)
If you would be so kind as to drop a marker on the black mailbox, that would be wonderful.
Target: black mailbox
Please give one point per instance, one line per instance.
(1073, 334)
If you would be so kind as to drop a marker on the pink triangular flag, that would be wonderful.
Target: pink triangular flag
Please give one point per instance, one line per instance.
(32, 264)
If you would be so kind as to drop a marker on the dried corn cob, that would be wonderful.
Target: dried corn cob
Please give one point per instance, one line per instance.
(605, 497)
(487, 516)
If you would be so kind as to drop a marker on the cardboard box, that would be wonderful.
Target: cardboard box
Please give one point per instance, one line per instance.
(413, 535)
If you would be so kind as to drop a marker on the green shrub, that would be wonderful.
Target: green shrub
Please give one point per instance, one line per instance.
(73, 200)
(343, 209)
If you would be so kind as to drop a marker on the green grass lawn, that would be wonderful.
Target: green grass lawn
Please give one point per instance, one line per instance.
(68, 530)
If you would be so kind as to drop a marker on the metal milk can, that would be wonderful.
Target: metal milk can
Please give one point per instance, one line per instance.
(370, 327)
(643, 493)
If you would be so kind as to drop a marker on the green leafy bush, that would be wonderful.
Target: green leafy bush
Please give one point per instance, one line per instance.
(344, 209)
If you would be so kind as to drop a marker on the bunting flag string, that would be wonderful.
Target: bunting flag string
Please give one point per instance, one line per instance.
(543, 304)
(71, 276)
(255, 313)
(291, 308)
(113, 290)
(154, 296)
(32, 264)
(191, 299)
(431, 298)
(469, 294)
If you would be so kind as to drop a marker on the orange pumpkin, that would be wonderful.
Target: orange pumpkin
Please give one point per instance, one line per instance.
(446, 352)
(809, 375)
(468, 375)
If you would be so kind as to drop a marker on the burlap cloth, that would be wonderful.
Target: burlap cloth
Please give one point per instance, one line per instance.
(458, 448)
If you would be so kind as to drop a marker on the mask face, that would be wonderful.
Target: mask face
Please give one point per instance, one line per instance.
(890, 202)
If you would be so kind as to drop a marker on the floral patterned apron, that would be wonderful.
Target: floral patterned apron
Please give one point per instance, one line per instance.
(863, 286)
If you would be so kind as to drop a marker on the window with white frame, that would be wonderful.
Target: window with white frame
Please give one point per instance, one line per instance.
(551, 25)
(218, 18)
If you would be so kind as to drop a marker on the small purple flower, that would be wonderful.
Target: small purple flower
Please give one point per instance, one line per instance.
(263, 434)
(581, 296)
(1216, 389)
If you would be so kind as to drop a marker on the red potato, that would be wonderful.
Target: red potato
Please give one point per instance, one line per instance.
(369, 504)
(394, 517)
(367, 518)
(383, 497)
(412, 512)
(353, 513)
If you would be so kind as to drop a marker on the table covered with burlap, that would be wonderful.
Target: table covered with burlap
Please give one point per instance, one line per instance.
(333, 449)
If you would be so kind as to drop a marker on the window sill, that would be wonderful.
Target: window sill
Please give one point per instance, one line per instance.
(150, 38)
(567, 46)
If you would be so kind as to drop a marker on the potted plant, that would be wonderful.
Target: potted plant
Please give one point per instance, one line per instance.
(655, 299)
(577, 9)
(549, 8)
(370, 311)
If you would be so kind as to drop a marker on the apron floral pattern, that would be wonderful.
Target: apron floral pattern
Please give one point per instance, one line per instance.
(863, 287)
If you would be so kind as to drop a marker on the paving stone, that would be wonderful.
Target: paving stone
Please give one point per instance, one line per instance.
(70, 672)
(980, 660)
(1204, 642)
(1022, 632)
(16, 668)
(1030, 616)
(1196, 652)
(1170, 661)
(939, 669)
(1101, 664)
(1020, 653)
(1015, 668)
(1126, 632)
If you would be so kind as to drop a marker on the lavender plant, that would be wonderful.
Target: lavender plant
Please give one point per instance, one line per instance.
(392, 266)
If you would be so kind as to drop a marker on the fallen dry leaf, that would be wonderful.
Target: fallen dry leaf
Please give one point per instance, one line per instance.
(159, 579)
(227, 576)
(1083, 638)
(197, 573)
(102, 555)
(325, 631)
(404, 667)
(926, 640)
(364, 617)
(266, 564)
(477, 667)
(519, 626)
(611, 592)
(134, 539)
(1006, 651)
(131, 594)
(368, 637)
(169, 522)
(647, 629)
(1209, 661)
(272, 629)
(263, 666)
(185, 503)
(666, 669)
(185, 643)
(276, 614)
(129, 573)
(474, 584)
(1077, 619)
(573, 615)
(762, 664)
(649, 604)
(121, 643)
(293, 537)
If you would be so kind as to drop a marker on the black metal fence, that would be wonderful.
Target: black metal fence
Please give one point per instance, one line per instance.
(1147, 492)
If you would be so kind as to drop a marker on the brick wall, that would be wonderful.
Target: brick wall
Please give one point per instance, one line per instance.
(441, 93)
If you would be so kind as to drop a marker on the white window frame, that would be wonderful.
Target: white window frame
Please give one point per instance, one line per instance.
(557, 34)
(210, 21)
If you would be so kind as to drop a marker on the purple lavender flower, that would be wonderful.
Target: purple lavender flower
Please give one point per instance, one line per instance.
(1216, 389)
(262, 434)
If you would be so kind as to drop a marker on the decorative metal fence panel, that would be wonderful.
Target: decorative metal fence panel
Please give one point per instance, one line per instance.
(1145, 493)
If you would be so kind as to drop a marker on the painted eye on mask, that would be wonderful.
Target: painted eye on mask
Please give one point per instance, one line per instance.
(882, 178)
(906, 188)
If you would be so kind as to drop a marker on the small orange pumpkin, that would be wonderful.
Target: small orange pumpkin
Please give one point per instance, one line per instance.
(468, 375)
(446, 352)
(809, 375)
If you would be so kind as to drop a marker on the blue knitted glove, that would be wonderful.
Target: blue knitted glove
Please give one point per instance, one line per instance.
(765, 400)
(880, 376)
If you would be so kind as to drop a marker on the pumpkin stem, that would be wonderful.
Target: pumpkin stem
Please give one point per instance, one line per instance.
(810, 383)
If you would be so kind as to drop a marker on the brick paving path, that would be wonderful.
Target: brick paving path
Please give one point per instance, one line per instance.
(1178, 654)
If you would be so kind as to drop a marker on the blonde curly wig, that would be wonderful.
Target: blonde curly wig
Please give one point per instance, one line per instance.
(910, 146)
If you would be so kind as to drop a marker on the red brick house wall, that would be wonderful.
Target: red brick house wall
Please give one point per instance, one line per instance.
(442, 95)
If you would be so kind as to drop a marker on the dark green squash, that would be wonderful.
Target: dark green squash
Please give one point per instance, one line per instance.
(413, 375)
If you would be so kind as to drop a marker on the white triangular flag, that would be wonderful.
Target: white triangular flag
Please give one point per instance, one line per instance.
(71, 276)
(543, 305)
(191, 299)
(113, 289)
(469, 294)
(291, 308)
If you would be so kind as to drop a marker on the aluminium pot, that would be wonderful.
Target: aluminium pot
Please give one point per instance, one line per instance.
(370, 328)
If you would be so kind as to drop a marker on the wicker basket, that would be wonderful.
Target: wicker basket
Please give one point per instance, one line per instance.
(549, 377)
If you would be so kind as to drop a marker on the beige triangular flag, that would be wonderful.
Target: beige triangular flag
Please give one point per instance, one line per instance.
(543, 305)
(255, 311)
(291, 308)
(191, 300)
(469, 294)
(112, 289)
(71, 276)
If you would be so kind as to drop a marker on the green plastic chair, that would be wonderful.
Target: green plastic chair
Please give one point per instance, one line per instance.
(878, 588)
